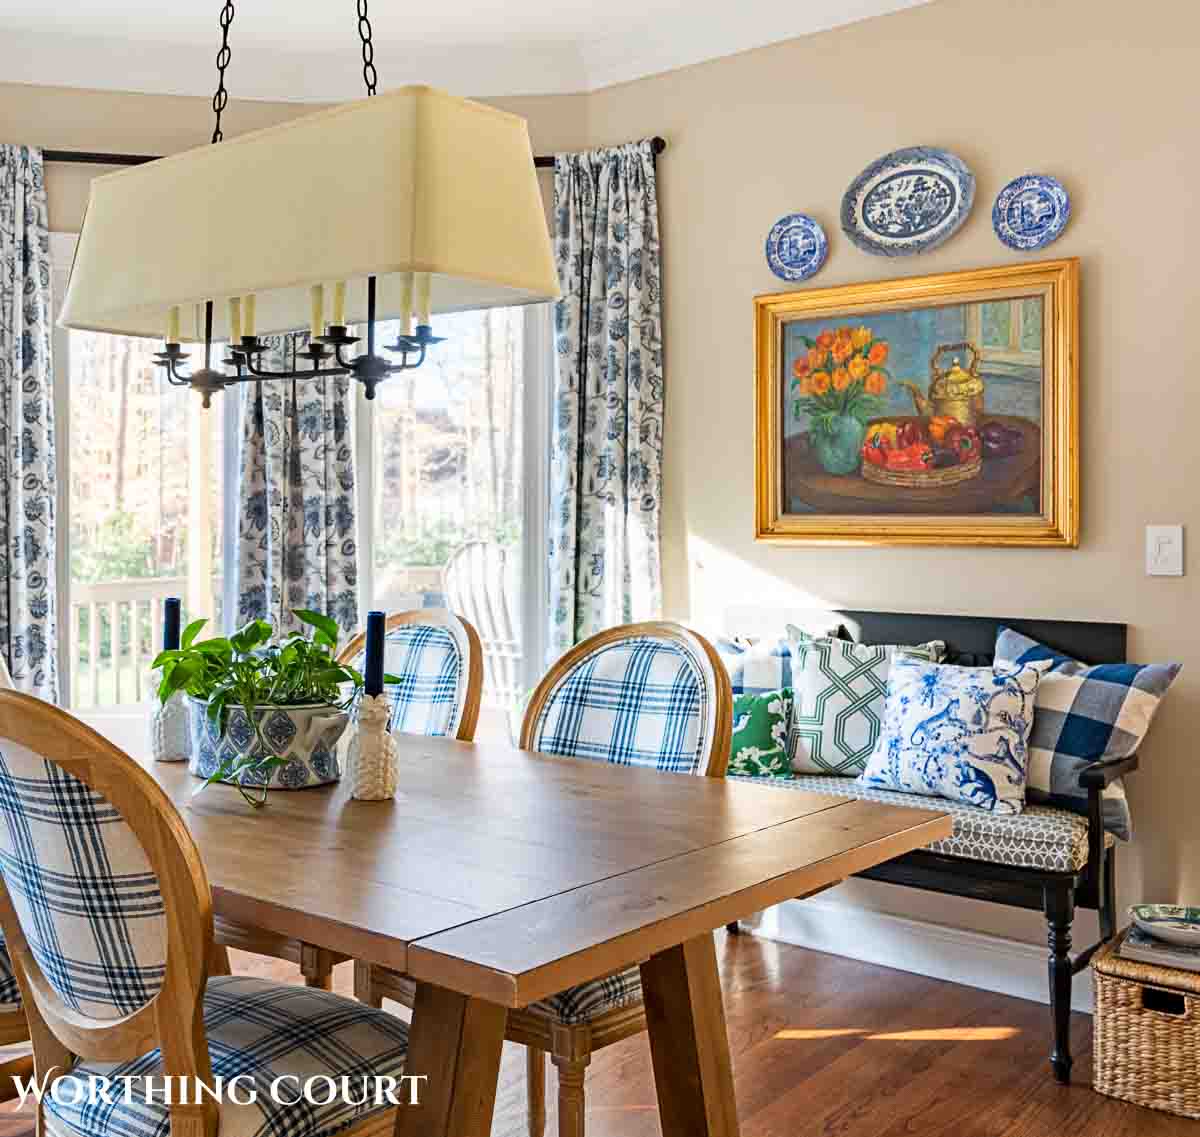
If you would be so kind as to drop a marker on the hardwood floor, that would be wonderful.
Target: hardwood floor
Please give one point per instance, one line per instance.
(830, 1047)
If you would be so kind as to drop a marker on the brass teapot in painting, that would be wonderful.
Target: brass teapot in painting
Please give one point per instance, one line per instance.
(955, 392)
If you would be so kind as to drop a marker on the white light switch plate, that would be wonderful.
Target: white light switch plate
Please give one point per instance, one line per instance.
(1164, 550)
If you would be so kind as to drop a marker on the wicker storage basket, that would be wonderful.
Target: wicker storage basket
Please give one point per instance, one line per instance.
(1146, 1045)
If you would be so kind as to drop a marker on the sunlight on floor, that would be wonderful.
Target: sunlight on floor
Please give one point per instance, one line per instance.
(940, 1034)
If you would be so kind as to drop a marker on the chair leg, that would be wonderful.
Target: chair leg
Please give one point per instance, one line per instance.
(218, 960)
(535, 1078)
(316, 967)
(1059, 903)
(364, 988)
(571, 1051)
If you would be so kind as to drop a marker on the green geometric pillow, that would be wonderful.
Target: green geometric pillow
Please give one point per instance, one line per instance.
(840, 689)
(760, 725)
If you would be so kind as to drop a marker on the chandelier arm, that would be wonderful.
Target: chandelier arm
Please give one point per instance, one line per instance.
(220, 100)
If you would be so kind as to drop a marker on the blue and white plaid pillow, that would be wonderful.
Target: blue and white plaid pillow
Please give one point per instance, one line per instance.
(1083, 715)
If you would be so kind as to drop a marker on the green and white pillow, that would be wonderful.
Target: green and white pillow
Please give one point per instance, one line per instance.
(760, 724)
(839, 688)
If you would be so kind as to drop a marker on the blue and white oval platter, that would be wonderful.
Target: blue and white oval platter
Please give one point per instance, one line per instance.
(1174, 923)
(796, 247)
(1031, 211)
(908, 201)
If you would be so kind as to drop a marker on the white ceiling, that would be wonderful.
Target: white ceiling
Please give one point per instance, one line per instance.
(309, 50)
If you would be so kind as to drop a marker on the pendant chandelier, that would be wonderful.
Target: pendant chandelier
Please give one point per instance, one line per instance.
(399, 206)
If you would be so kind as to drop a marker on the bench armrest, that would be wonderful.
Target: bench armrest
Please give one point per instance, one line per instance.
(1102, 774)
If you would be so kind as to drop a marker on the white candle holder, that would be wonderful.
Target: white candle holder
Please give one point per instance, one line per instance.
(373, 757)
(170, 737)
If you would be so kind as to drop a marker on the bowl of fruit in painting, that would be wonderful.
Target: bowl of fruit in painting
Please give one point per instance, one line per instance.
(938, 450)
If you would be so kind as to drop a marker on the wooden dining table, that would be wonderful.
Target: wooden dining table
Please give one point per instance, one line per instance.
(496, 878)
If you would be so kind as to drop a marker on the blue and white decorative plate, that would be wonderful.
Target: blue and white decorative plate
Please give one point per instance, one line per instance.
(796, 247)
(1173, 923)
(908, 201)
(1031, 211)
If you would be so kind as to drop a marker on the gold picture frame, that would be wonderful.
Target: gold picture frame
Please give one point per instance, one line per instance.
(1018, 324)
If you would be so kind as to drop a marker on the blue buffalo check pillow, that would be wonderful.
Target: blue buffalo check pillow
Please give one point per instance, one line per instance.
(1083, 715)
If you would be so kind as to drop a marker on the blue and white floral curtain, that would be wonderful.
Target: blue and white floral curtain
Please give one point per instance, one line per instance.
(297, 543)
(606, 450)
(27, 474)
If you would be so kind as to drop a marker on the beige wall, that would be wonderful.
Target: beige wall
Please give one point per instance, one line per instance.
(1083, 89)
(1078, 88)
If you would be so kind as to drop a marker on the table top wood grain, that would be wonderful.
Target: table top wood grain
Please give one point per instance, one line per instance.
(507, 875)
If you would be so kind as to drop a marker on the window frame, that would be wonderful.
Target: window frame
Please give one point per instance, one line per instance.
(538, 363)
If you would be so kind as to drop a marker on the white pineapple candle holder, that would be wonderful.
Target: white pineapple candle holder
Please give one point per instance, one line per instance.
(170, 736)
(373, 756)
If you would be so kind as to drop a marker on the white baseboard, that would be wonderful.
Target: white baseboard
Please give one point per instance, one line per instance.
(992, 963)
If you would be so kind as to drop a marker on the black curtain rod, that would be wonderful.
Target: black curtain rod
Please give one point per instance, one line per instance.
(97, 158)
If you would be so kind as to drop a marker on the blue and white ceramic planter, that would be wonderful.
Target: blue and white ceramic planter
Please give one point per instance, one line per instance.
(908, 201)
(305, 737)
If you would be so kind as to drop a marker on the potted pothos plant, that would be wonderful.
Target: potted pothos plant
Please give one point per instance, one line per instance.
(263, 714)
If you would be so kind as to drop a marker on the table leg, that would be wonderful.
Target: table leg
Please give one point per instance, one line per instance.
(456, 1041)
(689, 1044)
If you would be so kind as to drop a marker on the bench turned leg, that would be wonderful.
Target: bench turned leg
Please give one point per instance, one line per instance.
(1060, 913)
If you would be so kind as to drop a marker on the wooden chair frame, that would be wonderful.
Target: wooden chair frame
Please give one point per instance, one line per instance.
(174, 1019)
(571, 1046)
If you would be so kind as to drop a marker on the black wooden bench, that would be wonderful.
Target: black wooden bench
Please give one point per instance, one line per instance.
(970, 641)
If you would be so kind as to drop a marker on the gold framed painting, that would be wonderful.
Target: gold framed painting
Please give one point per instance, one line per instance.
(931, 410)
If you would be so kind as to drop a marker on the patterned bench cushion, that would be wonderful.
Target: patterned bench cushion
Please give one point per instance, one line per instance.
(262, 1031)
(590, 1000)
(1039, 838)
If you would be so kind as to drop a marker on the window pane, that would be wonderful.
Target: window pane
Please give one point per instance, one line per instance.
(448, 491)
(1031, 324)
(996, 323)
(140, 525)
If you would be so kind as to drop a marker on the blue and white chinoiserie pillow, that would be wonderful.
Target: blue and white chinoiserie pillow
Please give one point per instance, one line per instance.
(960, 733)
(757, 666)
(1085, 714)
(839, 693)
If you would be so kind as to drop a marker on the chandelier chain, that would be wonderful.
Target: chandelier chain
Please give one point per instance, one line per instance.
(370, 76)
(221, 99)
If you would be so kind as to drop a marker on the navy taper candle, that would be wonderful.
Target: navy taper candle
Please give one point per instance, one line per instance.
(373, 674)
(171, 623)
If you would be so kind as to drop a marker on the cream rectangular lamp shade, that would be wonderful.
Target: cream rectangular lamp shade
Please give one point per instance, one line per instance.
(413, 180)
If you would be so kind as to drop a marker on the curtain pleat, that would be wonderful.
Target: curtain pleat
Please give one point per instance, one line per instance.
(607, 429)
(27, 463)
(297, 543)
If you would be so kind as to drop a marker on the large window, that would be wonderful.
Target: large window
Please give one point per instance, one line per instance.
(451, 490)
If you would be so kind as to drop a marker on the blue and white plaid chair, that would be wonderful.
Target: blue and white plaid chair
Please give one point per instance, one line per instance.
(436, 658)
(107, 913)
(654, 695)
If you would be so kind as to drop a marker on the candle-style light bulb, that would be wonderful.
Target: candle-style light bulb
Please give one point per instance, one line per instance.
(235, 320)
(406, 304)
(316, 325)
(423, 299)
(173, 324)
(339, 303)
(249, 304)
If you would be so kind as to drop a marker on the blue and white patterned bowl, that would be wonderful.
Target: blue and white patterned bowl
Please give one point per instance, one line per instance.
(1031, 211)
(1173, 923)
(796, 247)
(305, 737)
(908, 201)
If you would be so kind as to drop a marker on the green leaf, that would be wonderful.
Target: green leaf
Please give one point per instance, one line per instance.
(190, 633)
(326, 626)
